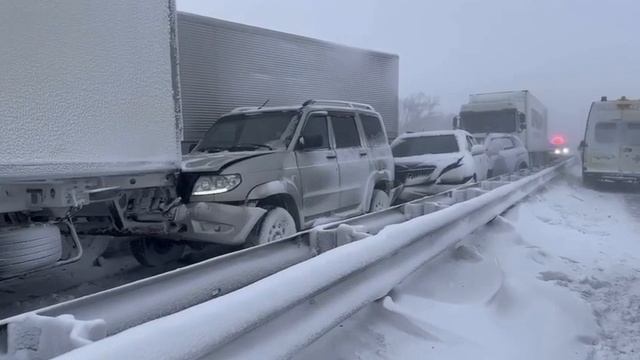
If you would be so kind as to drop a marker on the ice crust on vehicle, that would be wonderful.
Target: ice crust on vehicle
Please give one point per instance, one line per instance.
(84, 89)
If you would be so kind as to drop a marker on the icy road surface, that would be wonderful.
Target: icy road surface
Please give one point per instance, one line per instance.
(557, 278)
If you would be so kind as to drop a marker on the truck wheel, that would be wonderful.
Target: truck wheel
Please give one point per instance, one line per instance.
(589, 181)
(277, 224)
(28, 248)
(379, 201)
(156, 252)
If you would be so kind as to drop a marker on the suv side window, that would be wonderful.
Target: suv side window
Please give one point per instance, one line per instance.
(345, 131)
(373, 130)
(316, 133)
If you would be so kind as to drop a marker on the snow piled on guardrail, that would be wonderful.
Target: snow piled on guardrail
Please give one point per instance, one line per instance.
(557, 278)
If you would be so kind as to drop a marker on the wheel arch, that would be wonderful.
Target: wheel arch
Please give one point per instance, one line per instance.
(281, 193)
(285, 201)
(379, 180)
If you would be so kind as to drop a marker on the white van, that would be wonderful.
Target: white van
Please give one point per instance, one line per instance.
(611, 145)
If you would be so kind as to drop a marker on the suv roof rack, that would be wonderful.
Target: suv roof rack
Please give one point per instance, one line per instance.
(245, 108)
(340, 103)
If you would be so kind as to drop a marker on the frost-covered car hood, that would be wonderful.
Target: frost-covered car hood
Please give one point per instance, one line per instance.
(431, 159)
(212, 162)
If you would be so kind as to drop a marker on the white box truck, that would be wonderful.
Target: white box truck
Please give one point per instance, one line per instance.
(90, 122)
(224, 65)
(513, 112)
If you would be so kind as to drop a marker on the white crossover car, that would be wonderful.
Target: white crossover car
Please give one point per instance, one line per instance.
(506, 154)
(438, 157)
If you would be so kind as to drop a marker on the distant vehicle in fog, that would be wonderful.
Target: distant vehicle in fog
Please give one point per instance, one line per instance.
(518, 113)
(438, 157)
(506, 154)
(559, 147)
(611, 145)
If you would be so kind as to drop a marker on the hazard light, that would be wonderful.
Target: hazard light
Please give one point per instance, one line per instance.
(558, 140)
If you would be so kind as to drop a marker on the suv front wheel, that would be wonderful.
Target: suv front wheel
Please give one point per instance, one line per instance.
(277, 224)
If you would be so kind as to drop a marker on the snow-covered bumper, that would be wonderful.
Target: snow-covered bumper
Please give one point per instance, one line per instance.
(217, 223)
(633, 178)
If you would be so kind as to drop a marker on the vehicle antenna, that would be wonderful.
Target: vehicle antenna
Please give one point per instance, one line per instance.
(263, 104)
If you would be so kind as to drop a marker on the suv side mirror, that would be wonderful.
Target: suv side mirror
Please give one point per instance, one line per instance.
(300, 144)
(309, 142)
(477, 149)
(456, 122)
(523, 121)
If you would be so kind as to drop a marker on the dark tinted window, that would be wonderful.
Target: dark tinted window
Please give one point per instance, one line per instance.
(495, 145)
(502, 121)
(508, 143)
(316, 133)
(345, 131)
(606, 132)
(373, 130)
(439, 144)
(632, 134)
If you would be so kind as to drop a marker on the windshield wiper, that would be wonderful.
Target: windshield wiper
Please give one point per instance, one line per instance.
(212, 149)
(250, 146)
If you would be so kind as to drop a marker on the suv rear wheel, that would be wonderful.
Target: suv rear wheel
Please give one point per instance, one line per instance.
(379, 201)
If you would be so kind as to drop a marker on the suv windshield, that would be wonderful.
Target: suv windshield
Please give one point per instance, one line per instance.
(501, 121)
(268, 130)
(438, 144)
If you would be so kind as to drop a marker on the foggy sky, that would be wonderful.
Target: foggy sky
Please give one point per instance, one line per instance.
(567, 52)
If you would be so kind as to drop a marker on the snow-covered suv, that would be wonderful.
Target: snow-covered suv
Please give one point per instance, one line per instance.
(263, 173)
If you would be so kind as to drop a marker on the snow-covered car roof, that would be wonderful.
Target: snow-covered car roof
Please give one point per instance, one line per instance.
(433, 133)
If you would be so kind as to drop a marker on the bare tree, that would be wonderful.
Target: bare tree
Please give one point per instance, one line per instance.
(417, 111)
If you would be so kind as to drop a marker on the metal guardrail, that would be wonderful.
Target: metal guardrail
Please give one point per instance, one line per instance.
(341, 281)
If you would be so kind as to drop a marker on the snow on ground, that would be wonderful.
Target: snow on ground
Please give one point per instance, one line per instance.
(558, 277)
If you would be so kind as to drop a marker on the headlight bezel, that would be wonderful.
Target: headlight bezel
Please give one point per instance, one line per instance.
(215, 184)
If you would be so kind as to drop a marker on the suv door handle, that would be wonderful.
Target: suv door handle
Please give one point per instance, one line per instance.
(363, 153)
(332, 156)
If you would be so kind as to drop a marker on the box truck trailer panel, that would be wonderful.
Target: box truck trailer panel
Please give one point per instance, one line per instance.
(87, 90)
(225, 65)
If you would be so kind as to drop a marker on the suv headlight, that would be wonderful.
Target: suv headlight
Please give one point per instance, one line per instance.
(215, 184)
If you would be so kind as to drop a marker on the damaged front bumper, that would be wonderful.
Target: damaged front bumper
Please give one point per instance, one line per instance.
(216, 223)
